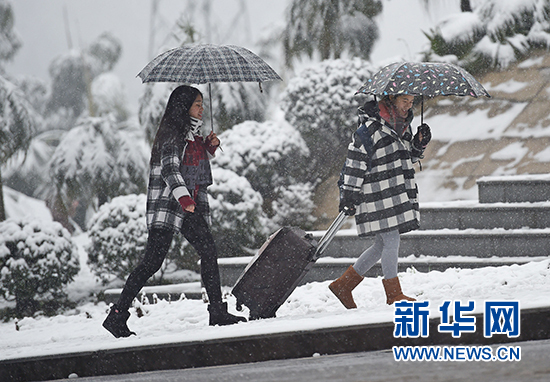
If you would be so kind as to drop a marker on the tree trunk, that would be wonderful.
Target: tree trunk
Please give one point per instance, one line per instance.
(2, 207)
(465, 6)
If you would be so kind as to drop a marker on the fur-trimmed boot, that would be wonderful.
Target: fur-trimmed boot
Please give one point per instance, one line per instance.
(220, 316)
(115, 323)
(393, 291)
(343, 286)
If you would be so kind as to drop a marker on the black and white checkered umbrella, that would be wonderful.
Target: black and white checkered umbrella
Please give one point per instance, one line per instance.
(206, 63)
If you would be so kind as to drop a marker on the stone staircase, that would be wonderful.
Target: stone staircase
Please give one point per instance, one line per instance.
(509, 224)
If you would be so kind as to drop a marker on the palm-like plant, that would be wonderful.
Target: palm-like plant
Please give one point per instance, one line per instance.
(491, 35)
(94, 162)
(18, 121)
(330, 27)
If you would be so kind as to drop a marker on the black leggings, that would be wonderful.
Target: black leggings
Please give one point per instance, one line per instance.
(196, 231)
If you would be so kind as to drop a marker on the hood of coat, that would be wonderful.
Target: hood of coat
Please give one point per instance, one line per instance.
(371, 111)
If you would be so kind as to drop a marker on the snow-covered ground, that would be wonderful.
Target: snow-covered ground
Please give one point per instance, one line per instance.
(311, 306)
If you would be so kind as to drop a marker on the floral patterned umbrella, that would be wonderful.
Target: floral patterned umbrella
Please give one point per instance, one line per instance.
(423, 78)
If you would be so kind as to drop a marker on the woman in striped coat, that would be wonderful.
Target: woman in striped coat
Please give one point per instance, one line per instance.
(378, 187)
(177, 202)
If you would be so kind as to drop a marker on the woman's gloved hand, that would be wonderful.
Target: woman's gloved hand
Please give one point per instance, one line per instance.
(348, 200)
(187, 203)
(423, 136)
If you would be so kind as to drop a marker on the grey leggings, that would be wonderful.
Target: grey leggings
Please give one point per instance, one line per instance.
(386, 248)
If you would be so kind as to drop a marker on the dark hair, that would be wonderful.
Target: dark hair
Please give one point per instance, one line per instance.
(176, 122)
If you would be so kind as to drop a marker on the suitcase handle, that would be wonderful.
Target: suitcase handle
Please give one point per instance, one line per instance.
(329, 234)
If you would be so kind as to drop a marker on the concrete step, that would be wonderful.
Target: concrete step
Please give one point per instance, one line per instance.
(471, 214)
(430, 250)
(514, 189)
(482, 243)
(330, 268)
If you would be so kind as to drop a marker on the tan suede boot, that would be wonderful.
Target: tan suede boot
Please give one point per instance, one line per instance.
(343, 286)
(393, 291)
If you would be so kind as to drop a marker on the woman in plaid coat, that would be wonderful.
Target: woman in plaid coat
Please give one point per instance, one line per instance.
(177, 202)
(378, 187)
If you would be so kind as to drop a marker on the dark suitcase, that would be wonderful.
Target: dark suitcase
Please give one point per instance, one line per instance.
(278, 267)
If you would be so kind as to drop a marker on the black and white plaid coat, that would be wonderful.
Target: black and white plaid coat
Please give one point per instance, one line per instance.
(171, 179)
(379, 171)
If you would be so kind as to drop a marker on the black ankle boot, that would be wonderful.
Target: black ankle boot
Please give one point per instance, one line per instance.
(116, 323)
(220, 316)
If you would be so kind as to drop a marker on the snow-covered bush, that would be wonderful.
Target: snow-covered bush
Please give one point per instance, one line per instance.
(37, 260)
(293, 206)
(270, 155)
(238, 222)
(118, 236)
(493, 36)
(320, 102)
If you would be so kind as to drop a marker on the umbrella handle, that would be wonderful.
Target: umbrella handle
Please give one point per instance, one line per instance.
(210, 99)
(211, 115)
(422, 110)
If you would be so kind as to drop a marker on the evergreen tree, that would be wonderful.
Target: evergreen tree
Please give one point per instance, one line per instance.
(9, 39)
(17, 124)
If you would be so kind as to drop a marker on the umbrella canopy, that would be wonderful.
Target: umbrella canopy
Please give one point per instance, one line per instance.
(423, 78)
(206, 63)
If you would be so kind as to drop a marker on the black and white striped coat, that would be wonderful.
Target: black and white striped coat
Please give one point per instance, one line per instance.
(379, 171)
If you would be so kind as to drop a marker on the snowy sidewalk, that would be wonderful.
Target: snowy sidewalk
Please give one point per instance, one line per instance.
(535, 324)
(176, 334)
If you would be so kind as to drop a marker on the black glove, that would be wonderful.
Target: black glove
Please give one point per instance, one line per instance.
(426, 133)
(348, 199)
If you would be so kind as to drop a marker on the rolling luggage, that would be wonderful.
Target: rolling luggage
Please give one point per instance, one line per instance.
(278, 267)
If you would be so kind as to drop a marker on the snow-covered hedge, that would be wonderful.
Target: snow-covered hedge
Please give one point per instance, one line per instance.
(37, 260)
(118, 236)
(320, 102)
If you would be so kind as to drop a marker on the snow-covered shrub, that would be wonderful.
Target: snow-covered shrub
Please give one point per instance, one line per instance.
(118, 236)
(294, 206)
(270, 155)
(37, 260)
(238, 222)
(320, 102)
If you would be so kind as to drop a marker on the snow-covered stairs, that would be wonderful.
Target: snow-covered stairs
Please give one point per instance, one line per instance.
(509, 224)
